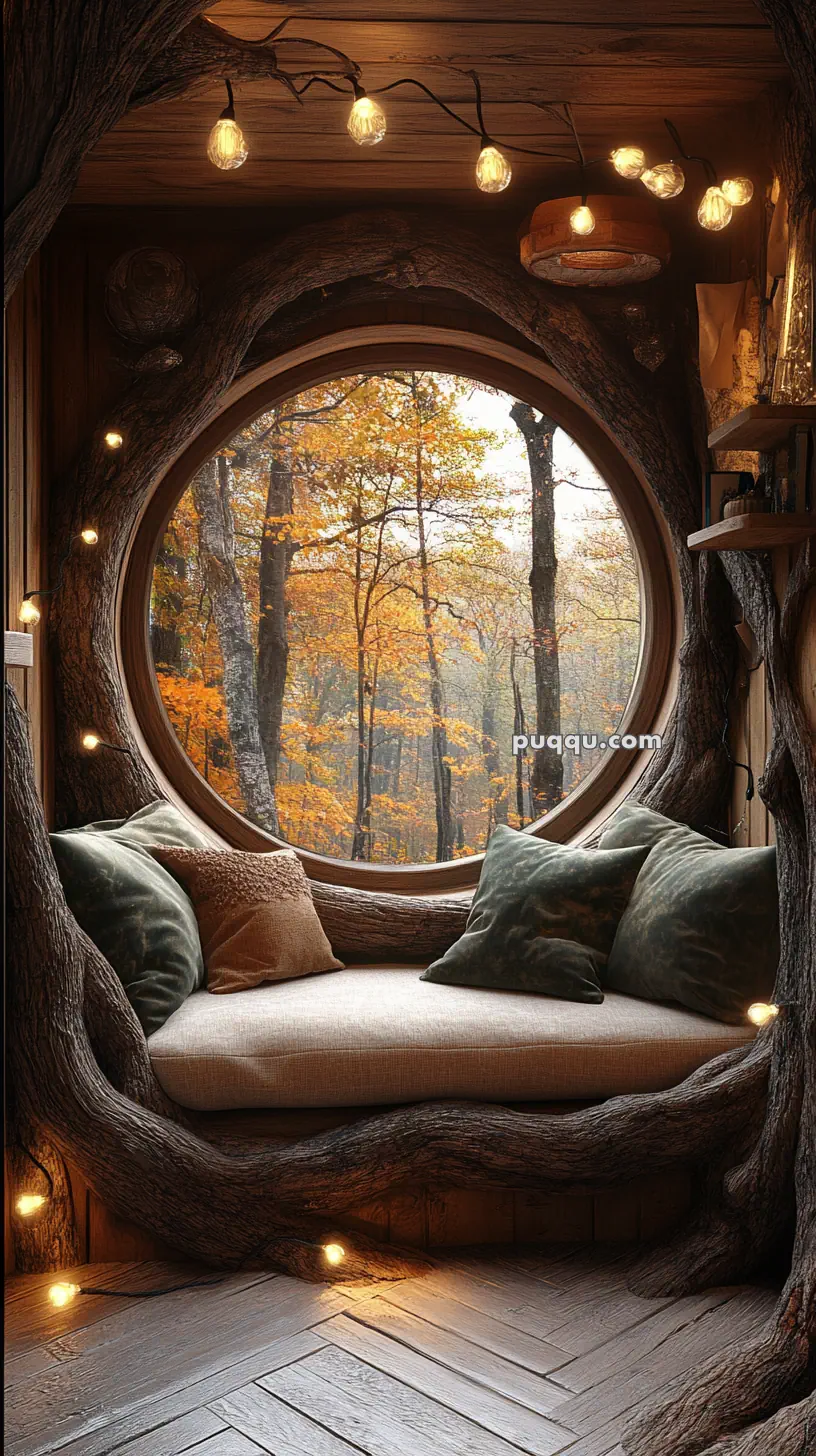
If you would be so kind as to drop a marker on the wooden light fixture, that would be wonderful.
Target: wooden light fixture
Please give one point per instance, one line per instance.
(627, 244)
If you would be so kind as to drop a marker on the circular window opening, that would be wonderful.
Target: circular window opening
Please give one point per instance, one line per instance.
(371, 596)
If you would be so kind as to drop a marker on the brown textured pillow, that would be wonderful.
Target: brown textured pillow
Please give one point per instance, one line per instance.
(256, 916)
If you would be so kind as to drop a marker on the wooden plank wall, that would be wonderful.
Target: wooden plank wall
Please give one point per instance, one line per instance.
(24, 531)
(25, 505)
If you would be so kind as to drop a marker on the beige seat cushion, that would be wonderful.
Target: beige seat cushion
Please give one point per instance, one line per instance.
(368, 1035)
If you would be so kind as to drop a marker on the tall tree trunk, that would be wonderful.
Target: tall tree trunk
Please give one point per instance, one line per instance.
(273, 630)
(439, 735)
(216, 547)
(518, 729)
(496, 788)
(547, 778)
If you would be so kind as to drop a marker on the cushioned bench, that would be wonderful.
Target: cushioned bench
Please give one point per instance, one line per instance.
(369, 1035)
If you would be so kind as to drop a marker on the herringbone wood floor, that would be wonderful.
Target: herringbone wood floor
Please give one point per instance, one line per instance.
(493, 1354)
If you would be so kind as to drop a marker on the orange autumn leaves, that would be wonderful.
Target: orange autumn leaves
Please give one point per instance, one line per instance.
(401, 571)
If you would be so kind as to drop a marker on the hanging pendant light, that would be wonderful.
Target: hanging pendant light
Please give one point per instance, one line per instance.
(366, 124)
(226, 147)
(626, 242)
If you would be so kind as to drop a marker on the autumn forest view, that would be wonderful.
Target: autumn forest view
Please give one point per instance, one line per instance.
(362, 598)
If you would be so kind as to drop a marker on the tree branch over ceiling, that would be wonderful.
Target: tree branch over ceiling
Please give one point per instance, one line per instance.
(106, 58)
(203, 50)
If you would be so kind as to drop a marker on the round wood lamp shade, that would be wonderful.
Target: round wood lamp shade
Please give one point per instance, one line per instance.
(627, 244)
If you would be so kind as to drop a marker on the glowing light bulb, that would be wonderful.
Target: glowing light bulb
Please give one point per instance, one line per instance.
(366, 124)
(334, 1253)
(493, 171)
(29, 1203)
(29, 613)
(89, 536)
(665, 180)
(715, 211)
(582, 221)
(226, 147)
(761, 1012)
(114, 440)
(62, 1294)
(629, 162)
(738, 190)
(90, 741)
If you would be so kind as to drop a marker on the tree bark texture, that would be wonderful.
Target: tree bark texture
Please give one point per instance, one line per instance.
(547, 775)
(277, 1203)
(768, 1195)
(689, 776)
(216, 549)
(74, 69)
(273, 626)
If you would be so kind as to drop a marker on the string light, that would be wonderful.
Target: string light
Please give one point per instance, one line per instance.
(666, 180)
(62, 1294)
(28, 612)
(715, 211)
(334, 1253)
(226, 147)
(629, 162)
(761, 1012)
(738, 190)
(114, 440)
(582, 221)
(493, 171)
(29, 1203)
(91, 741)
(366, 124)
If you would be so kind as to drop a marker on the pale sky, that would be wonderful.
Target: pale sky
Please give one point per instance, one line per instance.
(509, 461)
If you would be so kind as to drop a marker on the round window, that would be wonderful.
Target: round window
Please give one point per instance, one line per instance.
(394, 610)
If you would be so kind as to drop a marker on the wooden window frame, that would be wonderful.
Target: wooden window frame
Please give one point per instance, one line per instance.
(492, 362)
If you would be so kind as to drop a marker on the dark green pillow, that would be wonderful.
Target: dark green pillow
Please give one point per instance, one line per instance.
(543, 918)
(702, 926)
(133, 909)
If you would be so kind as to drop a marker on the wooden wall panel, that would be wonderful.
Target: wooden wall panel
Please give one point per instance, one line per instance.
(25, 506)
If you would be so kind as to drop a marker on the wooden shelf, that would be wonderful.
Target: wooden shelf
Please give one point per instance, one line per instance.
(761, 426)
(755, 531)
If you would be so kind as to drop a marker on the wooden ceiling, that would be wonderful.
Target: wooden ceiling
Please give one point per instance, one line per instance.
(623, 67)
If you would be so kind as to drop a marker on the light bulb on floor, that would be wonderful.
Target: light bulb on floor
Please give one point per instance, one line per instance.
(29, 1203)
(738, 190)
(366, 124)
(89, 536)
(629, 162)
(28, 613)
(715, 211)
(90, 741)
(114, 440)
(493, 171)
(62, 1294)
(334, 1253)
(226, 147)
(664, 181)
(761, 1012)
(582, 221)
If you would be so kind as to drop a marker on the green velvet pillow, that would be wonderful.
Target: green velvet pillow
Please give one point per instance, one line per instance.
(702, 926)
(543, 918)
(133, 909)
